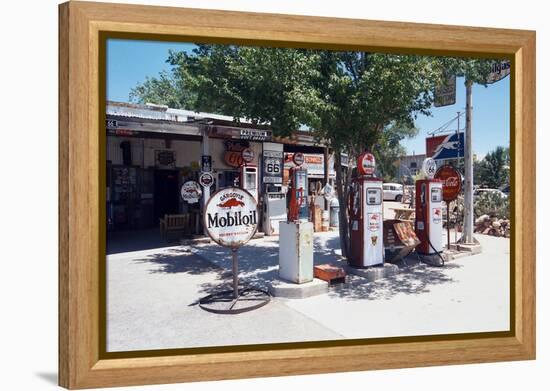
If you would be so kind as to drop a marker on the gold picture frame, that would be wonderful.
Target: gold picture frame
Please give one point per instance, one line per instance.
(83, 28)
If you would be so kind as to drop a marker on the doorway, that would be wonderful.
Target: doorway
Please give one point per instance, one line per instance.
(166, 194)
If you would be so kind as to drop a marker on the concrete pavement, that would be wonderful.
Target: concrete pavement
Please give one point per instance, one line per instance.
(151, 297)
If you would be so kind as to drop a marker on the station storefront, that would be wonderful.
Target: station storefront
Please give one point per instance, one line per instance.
(152, 151)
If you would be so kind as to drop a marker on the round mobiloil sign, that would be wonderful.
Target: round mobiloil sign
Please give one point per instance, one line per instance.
(231, 217)
(366, 163)
(429, 168)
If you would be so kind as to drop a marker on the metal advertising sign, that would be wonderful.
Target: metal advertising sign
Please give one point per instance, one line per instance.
(273, 167)
(206, 179)
(206, 163)
(499, 70)
(448, 146)
(452, 182)
(429, 168)
(165, 158)
(328, 192)
(191, 192)
(231, 217)
(445, 94)
(298, 158)
(248, 155)
(366, 163)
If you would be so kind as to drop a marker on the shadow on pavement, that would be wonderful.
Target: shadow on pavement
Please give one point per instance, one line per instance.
(258, 266)
(416, 278)
(137, 240)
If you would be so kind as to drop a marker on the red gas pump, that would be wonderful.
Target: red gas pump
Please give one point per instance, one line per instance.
(297, 203)
(429, 213)
(366, 215)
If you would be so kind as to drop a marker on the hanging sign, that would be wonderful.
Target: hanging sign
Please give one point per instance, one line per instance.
(191, 192)
(445, 94)
(452, 182)
(366, 163)
(206, 179)
(499, 70)
(428, 168)
(231, 217)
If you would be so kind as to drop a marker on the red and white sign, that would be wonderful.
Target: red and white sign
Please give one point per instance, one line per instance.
(191, 192)
(452, 182)
(231, 217)
(366, 163)
(248, 155)
(298, 158)
(429, 168)
(436, 215)
(206, 179)
(374, 221)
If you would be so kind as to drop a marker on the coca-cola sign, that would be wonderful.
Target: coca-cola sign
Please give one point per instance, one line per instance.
(231, 217)
(452, 182)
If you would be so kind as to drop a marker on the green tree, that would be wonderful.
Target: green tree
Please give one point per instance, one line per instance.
(270, 86)
(354, 101)
(389, 150)
(363, 94)
(494, 169)
(166, 89)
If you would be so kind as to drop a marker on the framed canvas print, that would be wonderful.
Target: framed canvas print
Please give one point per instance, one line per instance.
(246, 195)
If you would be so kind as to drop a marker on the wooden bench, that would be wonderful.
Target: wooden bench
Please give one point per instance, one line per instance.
(174, 223)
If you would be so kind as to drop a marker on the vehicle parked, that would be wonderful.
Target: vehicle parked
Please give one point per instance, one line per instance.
(505, 189)
(479, 191)
(393, 192)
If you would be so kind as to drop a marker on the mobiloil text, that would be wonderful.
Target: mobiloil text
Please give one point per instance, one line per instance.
(231, 219)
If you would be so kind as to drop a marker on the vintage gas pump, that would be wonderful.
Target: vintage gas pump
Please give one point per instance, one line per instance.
(366, 215)
(248, 175)
(429, 224)
(298, 191)
(296, 234)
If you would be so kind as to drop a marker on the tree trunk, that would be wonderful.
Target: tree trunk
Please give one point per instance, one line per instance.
(342, 191)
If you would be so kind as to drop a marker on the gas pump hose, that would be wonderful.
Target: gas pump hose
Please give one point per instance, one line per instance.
(437, 252)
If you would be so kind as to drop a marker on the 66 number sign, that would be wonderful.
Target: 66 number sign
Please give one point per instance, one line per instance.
(273, 167)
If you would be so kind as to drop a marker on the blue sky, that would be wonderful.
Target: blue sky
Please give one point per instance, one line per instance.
(129, 62)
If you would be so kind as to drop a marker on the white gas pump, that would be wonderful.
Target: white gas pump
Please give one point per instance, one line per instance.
(366, 215)
(429, 213)
(274, 212)
(249, 180)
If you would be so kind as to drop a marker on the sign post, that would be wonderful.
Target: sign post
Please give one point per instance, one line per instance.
(231, 220)
(452, 184)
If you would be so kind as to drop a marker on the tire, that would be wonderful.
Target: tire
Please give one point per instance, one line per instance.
(398, 198)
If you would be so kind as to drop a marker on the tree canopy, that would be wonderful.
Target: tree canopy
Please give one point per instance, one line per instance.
(353, 101)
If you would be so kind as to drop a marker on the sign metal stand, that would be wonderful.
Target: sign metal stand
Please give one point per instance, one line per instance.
(234, 301)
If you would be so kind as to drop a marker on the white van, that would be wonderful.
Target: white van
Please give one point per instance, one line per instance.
(393, 192)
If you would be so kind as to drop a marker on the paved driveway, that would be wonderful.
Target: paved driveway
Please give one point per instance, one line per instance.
(152, 296)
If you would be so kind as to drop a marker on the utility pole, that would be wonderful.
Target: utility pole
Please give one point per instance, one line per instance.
(468, 234)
